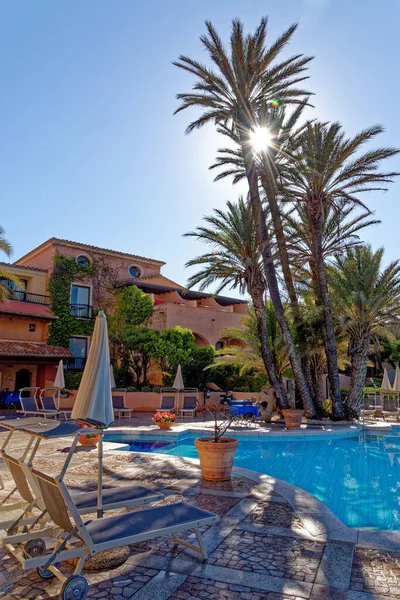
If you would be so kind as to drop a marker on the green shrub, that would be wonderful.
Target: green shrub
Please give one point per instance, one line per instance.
(72, 380)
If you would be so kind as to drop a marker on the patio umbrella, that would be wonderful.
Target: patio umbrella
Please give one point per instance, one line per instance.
(178, 381)
(396, 384)
(93, 403)
(385, 382)
(112, 378)
(59, 381)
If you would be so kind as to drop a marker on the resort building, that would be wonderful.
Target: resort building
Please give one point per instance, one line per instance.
(25, 357)
(25, 316)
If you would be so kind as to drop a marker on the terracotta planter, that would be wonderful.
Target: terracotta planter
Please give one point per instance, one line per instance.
(85, 441)
(163, 425)
(292, 418)
(216, 460)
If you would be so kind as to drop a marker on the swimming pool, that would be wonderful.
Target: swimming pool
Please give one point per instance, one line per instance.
(356, 476)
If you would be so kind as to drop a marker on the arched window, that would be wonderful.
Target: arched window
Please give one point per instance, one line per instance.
(83, 260)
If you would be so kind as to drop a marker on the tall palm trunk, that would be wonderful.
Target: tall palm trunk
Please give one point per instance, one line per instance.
(264, 242)
(270, 191)
(318, 385)
(328, 330)
(359, 358)
(257, 295)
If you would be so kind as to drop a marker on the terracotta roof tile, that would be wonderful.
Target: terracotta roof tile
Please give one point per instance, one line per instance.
(16, 307)
(32, 349)
(15, 266)
(93, 248)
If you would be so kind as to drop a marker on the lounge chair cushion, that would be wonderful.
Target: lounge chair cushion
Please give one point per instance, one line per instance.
(149, 521)
(129, 495)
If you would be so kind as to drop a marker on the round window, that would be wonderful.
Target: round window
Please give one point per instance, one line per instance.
(83, 260)
(134, 271)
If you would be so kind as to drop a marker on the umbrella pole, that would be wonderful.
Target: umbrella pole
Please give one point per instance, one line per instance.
(100, 477)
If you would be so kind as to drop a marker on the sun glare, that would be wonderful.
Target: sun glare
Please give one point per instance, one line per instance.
(260, 138)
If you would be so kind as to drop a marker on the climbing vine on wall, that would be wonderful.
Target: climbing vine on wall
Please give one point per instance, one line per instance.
(66, 271)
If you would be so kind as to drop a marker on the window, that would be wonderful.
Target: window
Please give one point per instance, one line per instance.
(78, 347)
(80, 301)
(13, 286)
(80, 294)
(32, 327)
(134, 271)
(83, 260)
(219, 345)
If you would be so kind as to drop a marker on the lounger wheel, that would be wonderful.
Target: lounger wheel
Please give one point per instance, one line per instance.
(34, 548)
(45, 573)
(75, 588)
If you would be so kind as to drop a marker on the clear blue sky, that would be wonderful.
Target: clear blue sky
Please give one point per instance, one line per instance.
(90, 150)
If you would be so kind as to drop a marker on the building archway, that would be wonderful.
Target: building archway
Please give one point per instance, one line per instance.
(199, 340)
(22, 379)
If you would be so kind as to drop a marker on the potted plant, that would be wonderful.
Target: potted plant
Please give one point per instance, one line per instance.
(88, 439)
(292, 417)
(164, 420)
(217, 453)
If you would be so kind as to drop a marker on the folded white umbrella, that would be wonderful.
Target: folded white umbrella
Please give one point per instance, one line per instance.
(112, 378)
(59, 381)
(396, 384)
(385, 382)
(93, 403)
(178, 381)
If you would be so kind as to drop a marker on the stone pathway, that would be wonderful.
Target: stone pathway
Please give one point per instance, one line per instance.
(260, 550)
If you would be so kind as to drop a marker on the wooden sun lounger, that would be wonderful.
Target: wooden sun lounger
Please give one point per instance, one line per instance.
(127, 497)
(105, 533)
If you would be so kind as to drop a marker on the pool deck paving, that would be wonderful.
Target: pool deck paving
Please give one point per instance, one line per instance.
(273, 541)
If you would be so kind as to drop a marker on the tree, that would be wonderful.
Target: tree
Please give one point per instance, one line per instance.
(327, 170)
(248, 355)
(367, 302)
(244, 84)
(194, 373)
(177, 347)
(6, 247)
(235, 261)
(132, 310)
(142, 345)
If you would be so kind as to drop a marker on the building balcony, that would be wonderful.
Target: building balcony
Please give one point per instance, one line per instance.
(22, 296)
(76, 363)
(81, 311)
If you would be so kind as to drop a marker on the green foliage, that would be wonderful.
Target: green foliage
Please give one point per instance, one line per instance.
(65, 271)
(132, 343)
(194, 374)
(132, 308)
(73, 379)
(229, 378)
(177, 349)
(344, 392)
(391, 351)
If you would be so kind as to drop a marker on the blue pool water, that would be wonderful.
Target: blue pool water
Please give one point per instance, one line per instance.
(357, 476)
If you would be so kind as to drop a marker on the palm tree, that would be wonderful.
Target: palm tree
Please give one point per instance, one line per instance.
(235, 261)
(243, 84)
(325, 171)
(367, 302)
(340, 232)
(6, 247)
(248, 355)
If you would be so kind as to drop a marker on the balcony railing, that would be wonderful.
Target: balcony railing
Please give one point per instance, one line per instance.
(81, 311)
(75, 364)
(22, 296)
